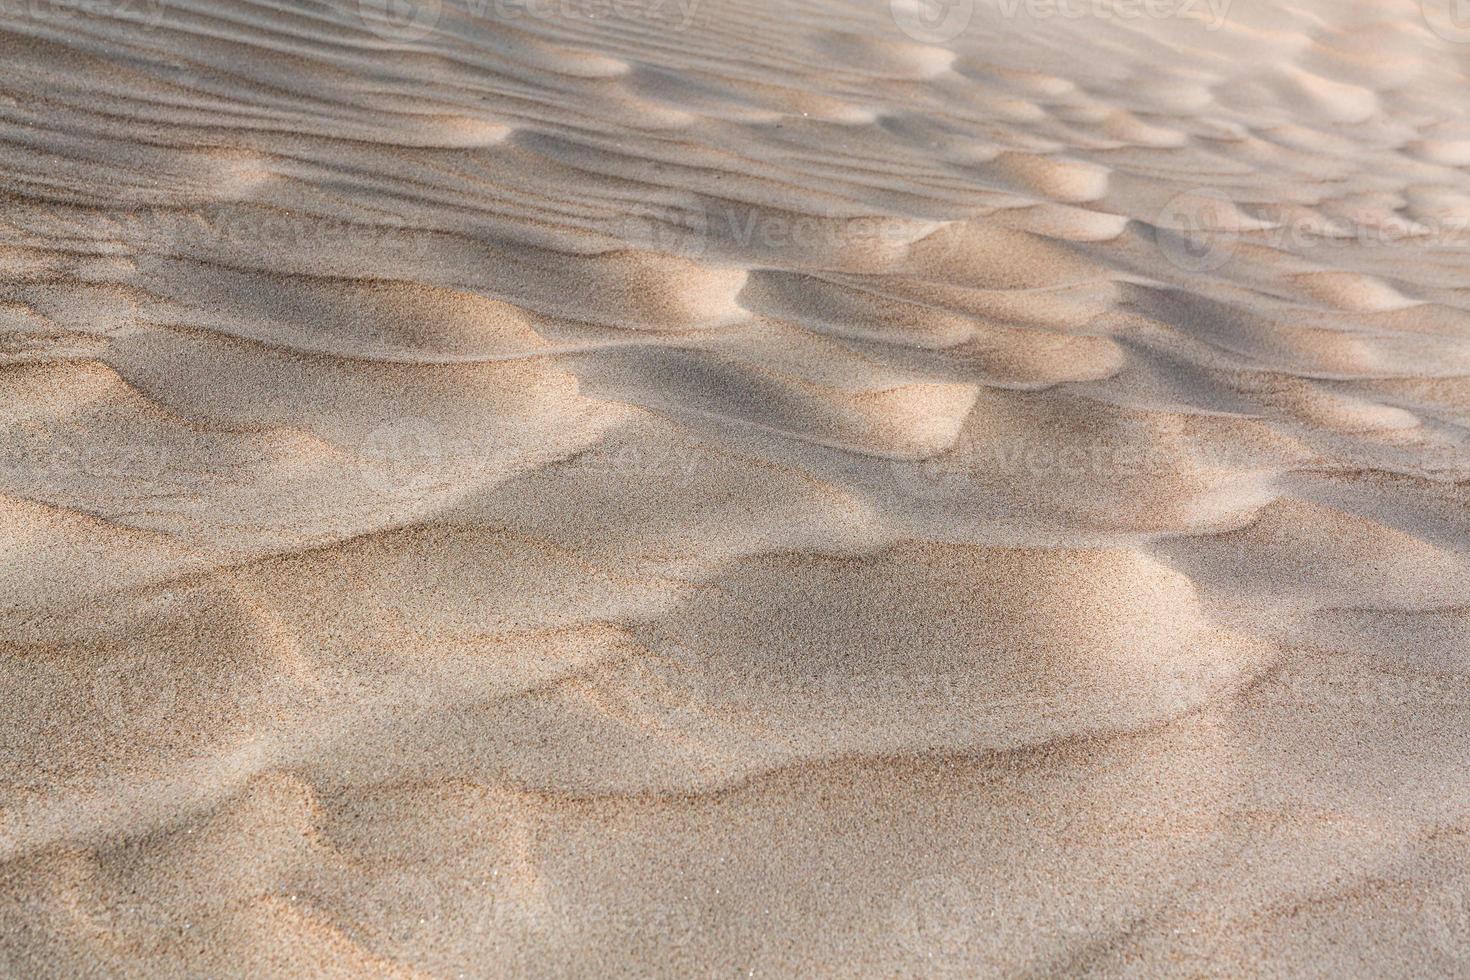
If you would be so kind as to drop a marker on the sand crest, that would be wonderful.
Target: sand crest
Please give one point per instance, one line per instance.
(664, 487)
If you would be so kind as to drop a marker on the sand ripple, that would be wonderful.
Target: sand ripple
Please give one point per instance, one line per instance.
(749, 488)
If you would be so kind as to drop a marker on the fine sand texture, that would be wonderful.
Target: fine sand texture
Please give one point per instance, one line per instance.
(734, 488)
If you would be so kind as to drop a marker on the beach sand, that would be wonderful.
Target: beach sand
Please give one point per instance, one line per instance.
(755, 488)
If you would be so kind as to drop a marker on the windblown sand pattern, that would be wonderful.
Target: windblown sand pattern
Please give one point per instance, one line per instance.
(762, 488)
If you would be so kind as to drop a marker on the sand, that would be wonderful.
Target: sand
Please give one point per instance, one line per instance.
(763, 488)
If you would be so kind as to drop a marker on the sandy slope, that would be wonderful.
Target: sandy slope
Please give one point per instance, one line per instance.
(669, 488)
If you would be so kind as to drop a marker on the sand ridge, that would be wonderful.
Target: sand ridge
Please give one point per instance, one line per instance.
(676, 488)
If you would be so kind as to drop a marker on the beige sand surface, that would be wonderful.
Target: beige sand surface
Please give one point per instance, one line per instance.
(499, 488)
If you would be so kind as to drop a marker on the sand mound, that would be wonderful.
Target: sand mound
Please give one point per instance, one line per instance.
(770, 489)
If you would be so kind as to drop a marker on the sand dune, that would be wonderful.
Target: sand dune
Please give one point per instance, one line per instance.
(671, 488)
